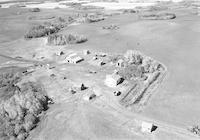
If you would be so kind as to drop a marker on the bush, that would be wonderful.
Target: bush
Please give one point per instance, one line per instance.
(7, 79)
(111, 27)
(62, 22)
(72, 4)
(48, 28)
(19, 128)
(158, 8)
(195, 129)
(94, 19)
(129, 11)
(57, 40)
(134, 57)
(159, 16)
(7, 82)
(34, 10)
(130, 72)
(72, 39)
(139, 66)
(65, 39)
(41, 30)
(22, 136)
(20, 107)
(150, 65)
(115, 58)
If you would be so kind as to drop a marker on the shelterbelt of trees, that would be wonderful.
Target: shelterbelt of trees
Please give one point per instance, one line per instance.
(20, 106)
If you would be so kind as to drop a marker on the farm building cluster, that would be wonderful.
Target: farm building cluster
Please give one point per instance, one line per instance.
(129, 75)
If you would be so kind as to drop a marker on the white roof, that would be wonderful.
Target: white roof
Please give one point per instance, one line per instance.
(114, 76)
(77, 58)
(147, 124)
(146, 127)
(72, 54)
(120, 60)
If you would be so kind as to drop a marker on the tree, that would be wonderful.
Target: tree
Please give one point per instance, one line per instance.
(134, 57)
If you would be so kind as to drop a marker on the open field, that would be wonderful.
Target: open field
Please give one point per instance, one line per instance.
(172, 42)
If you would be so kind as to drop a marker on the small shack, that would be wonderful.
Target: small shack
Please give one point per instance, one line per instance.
(86, 52)
(30, 69)
(102, 54)
(117, 93)
(148, 127)
(89, 97)
(95, 58)
(60, 53)
(120, 63)
(98, 62)
(113, 80)
(116, 71)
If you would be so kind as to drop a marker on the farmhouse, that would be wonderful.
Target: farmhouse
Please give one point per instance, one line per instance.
(73, 58)
(113, 80)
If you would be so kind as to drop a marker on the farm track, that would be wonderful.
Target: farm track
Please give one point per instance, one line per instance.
(25, 61)
(161, 125)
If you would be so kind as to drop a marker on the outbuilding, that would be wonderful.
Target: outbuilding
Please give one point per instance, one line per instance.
(76, 60)
(98, 62)
(89, 97)
(86, 52)
(148, 127)
(73, 58)
(102, 54)
(120, 63)
(113, 80)
(60, 53)
(117, 93)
